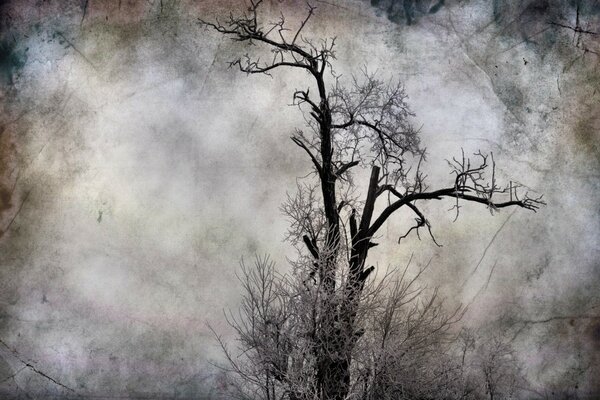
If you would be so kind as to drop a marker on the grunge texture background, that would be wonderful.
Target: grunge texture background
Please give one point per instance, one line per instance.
(136, 170)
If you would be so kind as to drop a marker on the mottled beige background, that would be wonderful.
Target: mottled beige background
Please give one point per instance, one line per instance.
(137, 170)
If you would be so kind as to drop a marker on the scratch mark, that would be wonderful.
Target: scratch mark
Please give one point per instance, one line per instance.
(490, 275)
(33, 368)
(488, 247)
(17, 213)
(557, 318)
(521, 42)
(85, 7)
(464, 48)
(576, 29)
(483, 288)
(13, 375)
(76, 49)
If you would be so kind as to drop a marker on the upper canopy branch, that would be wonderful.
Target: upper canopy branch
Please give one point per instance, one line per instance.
(253, 67)
(375, 117)
(295, 52)
(313, 158)
(365, 122)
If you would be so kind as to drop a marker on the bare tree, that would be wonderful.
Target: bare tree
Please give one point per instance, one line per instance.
(363, 122)
(407, 339)
(490, 368)
(501, 375)
(404, 349)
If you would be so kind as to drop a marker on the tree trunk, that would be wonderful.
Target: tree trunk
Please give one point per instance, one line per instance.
(337, 335)
(332, 378)
(340, 334)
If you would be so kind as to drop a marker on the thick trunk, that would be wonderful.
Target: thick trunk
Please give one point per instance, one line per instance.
(332, 376)
(339, 334)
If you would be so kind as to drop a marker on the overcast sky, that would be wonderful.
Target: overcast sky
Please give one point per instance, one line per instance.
(137, 170)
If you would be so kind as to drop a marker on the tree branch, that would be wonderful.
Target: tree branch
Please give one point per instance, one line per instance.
(311, 245)
(421, 222)
(345, 167)
(527, 203)
(370, 201)
(301, 144)
(252, 67)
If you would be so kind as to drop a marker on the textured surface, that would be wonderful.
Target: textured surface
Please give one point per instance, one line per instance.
(136, 170)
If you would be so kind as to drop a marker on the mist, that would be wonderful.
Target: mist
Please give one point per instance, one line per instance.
(137, 170)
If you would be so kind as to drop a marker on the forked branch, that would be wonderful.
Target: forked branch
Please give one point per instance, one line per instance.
(470, 185)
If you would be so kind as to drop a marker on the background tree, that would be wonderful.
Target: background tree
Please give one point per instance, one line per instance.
(363, 122)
